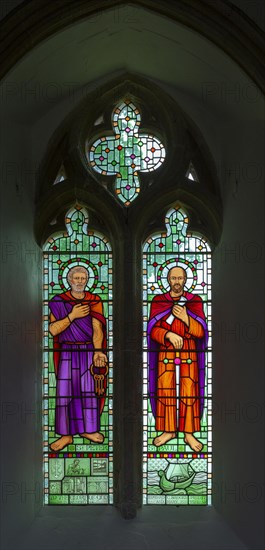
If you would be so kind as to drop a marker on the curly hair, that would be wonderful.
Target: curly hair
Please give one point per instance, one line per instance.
(73, 270)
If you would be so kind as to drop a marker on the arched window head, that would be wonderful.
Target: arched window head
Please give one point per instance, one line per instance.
(123, 146)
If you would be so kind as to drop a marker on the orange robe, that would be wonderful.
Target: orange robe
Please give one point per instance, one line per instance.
(187, 401)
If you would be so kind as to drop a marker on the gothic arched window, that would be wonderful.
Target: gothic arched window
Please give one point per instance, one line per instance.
(127, 199)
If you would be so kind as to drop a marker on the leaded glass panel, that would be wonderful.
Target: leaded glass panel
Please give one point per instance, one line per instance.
(177, 366)
(126, 153)
(77, 366)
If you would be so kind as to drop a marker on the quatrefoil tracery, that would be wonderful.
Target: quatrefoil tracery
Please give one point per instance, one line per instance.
(127, 152)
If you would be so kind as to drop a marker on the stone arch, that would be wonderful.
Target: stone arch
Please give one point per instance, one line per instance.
(241, 35)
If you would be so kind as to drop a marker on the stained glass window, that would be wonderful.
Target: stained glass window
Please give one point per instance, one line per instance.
(126, 153)
(177, 365)
(77, 366)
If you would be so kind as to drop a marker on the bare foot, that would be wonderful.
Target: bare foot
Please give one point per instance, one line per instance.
(163, 438)
(96, 437)
(62, 442)
(194, 443)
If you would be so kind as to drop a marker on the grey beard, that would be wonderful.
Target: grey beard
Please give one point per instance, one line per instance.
(78, 289)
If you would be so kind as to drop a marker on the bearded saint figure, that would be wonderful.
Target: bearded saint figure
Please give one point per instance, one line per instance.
(78, 327)
(177, 339)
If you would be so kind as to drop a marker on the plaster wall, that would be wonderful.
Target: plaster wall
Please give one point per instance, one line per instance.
(232, 128)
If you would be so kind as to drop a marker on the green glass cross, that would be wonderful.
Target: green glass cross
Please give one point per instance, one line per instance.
(127, 152)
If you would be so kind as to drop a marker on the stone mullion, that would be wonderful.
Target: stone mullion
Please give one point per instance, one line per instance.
(128, 379)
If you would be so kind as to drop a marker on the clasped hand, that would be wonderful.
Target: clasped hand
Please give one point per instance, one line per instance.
(79, 311)
(181, 313)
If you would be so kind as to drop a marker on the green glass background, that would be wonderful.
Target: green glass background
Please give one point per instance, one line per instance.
(177, 246)
(68, 477)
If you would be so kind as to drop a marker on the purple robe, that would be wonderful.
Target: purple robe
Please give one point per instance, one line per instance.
(77, 407)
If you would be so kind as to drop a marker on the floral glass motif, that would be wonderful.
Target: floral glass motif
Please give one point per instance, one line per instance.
(126, 153)
(174, 473)
(82, 472)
